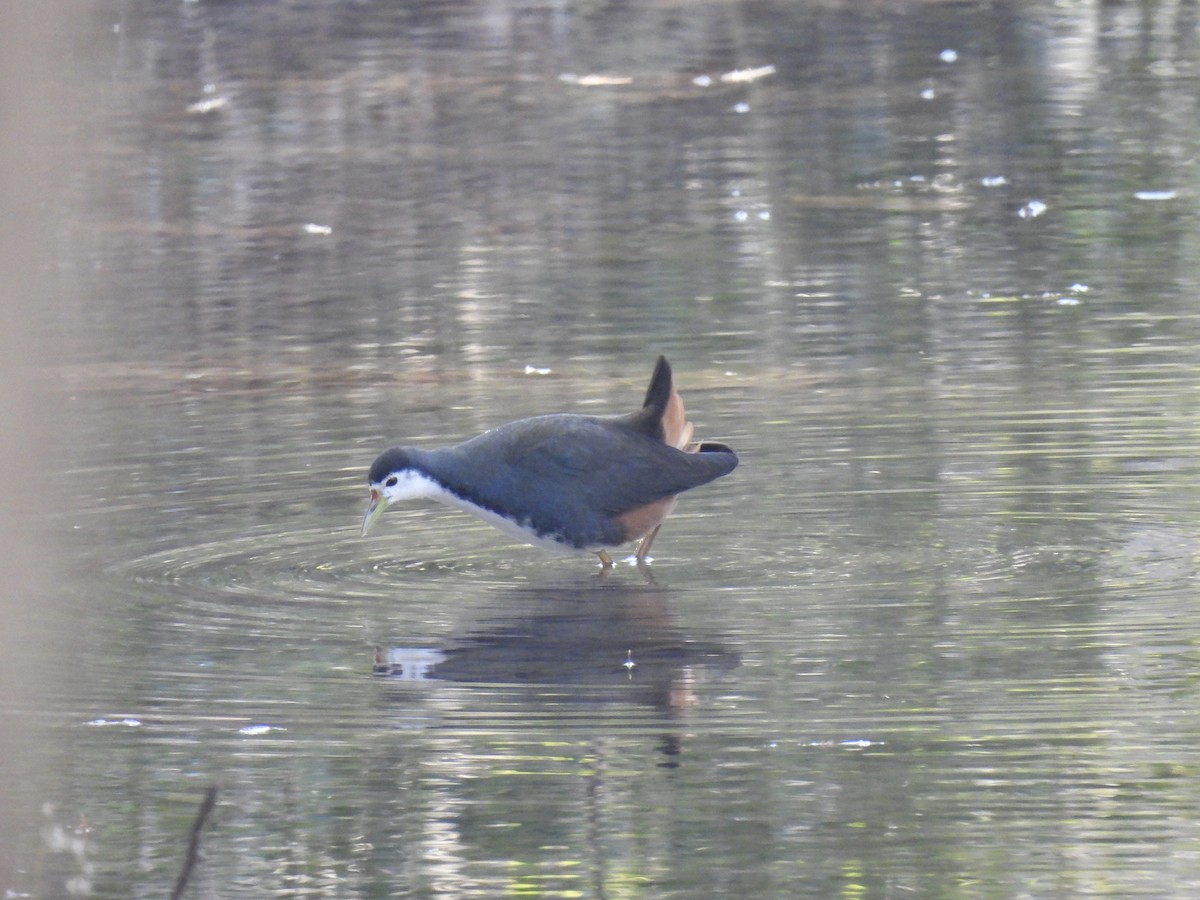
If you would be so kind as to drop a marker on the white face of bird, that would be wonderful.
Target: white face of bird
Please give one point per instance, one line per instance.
(406, 484)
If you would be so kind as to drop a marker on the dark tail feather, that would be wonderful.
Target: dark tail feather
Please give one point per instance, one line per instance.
(649, 419)
(658, 394)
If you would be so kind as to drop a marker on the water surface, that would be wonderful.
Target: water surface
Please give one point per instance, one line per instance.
(930, 268)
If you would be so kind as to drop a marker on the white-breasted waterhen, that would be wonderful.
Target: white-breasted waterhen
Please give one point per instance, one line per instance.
(564, 481)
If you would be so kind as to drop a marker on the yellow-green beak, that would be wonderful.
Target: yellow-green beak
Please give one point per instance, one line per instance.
(374, 510)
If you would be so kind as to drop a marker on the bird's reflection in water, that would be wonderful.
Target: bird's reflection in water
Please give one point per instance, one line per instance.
(594, 642)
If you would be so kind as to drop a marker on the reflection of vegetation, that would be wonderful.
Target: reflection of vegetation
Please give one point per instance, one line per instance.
(70, 869)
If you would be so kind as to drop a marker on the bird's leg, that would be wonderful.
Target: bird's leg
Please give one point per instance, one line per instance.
(644, 547)
(605, 560)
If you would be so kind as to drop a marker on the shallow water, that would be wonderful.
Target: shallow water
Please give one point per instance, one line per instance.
(935, 637)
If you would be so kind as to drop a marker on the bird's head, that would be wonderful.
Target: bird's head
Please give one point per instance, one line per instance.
(393, 477)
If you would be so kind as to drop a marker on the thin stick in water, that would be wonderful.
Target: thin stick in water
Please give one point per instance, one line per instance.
(189, 863)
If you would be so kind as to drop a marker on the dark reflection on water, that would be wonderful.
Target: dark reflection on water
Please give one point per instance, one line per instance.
(598, 642)
(930, 268)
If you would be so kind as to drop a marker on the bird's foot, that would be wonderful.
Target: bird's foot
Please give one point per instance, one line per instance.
(643, 550)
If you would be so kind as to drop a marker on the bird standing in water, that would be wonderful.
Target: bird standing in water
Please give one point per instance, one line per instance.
(564, 481)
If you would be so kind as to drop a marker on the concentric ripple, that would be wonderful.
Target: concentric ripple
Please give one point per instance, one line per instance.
(304, 563)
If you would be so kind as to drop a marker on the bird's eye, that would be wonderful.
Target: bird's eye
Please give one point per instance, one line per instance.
(391, 482)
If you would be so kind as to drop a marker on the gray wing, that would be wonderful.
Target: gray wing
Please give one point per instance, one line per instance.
(571, 475)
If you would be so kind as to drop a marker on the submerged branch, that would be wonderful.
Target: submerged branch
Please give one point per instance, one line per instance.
(189, 863)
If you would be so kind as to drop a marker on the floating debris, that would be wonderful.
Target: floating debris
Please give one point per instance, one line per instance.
(207, 105)
(1032, 209)
(314, 228)
(537, 370)
(128, 722)
(993, 181)
(948, 55)
(595, 80)
(258, 730)
(1155, 195)
(1071, 297)
(746, 76)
